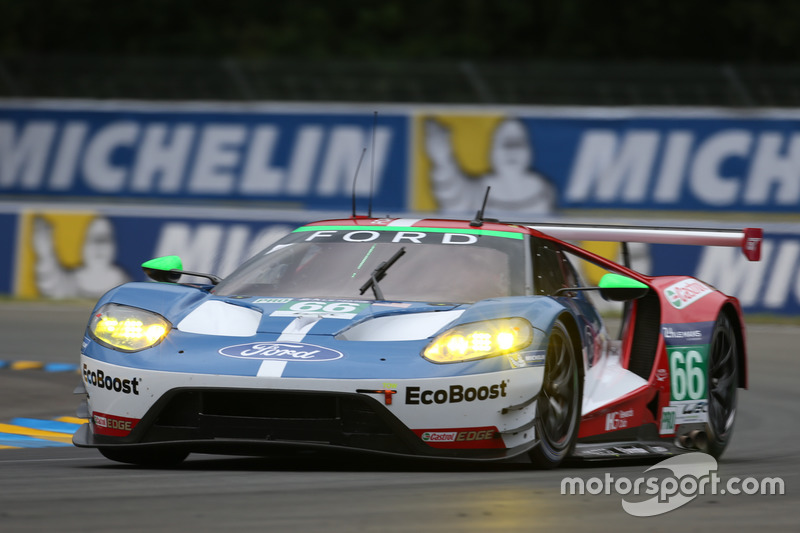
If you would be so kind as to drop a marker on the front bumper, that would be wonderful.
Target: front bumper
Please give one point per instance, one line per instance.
(484, 416)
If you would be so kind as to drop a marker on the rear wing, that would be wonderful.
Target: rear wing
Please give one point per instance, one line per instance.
(748, 239)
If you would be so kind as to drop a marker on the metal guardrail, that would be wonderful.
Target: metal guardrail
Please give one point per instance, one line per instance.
(464, 82)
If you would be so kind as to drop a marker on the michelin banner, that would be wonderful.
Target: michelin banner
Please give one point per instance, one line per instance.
(537, 161)
(302, 159)
(83, 252)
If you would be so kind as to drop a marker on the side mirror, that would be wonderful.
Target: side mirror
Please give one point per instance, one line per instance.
(170, 269)
(165, 269)
(620, 288)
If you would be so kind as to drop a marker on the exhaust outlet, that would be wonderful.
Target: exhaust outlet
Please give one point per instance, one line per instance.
(696, 439)
(699, 439)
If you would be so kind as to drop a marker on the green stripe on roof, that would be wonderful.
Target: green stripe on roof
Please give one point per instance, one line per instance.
(486, 232)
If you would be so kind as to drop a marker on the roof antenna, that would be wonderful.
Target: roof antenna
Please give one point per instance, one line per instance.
(355, 177)
(477, 222)
(372, 157)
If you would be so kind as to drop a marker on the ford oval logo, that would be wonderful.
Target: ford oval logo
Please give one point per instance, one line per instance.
(281, 351)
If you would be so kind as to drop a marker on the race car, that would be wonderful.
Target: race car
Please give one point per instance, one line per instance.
(448, 339)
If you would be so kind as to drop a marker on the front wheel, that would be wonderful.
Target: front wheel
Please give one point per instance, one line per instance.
(559, 403)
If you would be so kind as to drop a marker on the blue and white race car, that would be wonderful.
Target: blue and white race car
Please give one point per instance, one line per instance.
(471, 340)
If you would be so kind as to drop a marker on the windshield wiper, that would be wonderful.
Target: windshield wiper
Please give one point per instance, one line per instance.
(379, 273)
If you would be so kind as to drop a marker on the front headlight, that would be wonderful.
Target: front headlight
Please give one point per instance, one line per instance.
(127, 329)
(478, 340)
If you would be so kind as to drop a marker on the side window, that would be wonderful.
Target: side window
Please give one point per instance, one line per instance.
(570, 274)
(548, 268)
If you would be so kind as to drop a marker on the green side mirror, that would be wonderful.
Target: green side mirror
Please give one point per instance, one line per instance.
(164, 268)
(620, 288)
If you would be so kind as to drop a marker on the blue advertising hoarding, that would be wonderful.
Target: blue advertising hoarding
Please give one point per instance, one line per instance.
(8, 232)
(304, 159)
(540, 162)
(416, 158)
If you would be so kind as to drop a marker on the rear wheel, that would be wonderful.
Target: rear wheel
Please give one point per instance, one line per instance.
(558, 404)
(154, 457)
(723, 381)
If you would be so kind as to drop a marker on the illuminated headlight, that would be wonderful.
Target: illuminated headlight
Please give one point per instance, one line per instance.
(478, 340)
(128, 329)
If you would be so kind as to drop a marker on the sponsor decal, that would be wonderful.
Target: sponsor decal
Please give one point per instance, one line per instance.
(668, 421)
(455, 394)
(670, 333)
(101, 380)
(632, 450)
(111, 425)
(601, 452)
(618, 419)
(272, 300)
(690, 412)
(684, 293)
(624, 450)
(281, 351)
(516, 361)
(535, 358)
(687, 334)
(439, 436)
(388, 391)
(479, 437)
(527, 359)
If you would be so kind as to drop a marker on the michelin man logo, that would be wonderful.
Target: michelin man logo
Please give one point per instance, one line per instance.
(97, 272)
(516, 187)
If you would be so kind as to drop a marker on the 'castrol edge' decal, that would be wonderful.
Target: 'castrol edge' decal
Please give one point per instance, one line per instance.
(281, 351)
(684, 293)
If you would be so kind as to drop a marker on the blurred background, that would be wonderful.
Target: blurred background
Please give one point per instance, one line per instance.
(208, 129)
(739, 53)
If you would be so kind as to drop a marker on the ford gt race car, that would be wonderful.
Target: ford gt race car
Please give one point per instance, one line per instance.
(471, 340)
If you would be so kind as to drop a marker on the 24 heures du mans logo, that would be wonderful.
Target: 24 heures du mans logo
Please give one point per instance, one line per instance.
(281, 351)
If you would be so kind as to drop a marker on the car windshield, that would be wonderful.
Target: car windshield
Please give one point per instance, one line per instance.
(437, 266)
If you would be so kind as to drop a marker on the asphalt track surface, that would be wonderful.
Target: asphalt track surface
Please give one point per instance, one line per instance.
(70, 489)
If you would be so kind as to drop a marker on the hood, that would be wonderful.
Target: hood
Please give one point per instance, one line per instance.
(292, 319)
(232, 335)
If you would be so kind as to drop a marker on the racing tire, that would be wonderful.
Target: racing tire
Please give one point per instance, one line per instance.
(152, 457)
(559, 402)
(722, 382)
